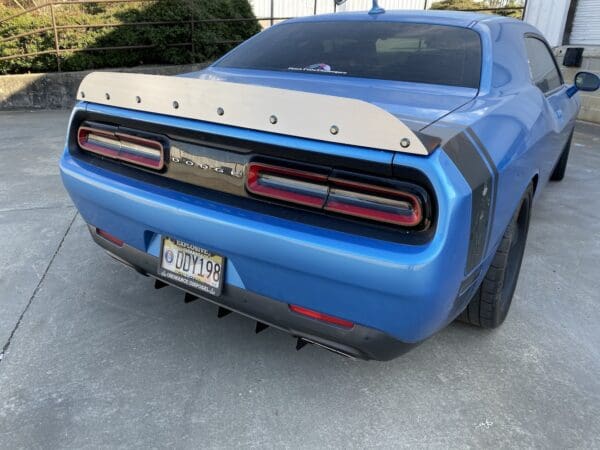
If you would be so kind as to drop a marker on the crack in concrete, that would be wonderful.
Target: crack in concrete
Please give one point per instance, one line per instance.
(36, 208)
(37, 288)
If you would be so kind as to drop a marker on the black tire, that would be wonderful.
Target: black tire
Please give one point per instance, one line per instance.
(561, 166)
(490, 304)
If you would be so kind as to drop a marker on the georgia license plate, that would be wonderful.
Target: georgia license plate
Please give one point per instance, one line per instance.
(191, 265)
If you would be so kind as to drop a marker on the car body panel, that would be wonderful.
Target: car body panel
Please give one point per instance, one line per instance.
(493, 144)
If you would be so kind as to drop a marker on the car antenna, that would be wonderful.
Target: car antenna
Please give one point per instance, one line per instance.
(376, 9)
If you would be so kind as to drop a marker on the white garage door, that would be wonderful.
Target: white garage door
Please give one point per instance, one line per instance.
(586, 23)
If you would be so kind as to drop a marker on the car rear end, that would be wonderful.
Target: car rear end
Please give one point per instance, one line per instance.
(360, 250)
(389, 284)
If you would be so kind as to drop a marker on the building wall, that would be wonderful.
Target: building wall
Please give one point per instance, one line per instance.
(365, 5)
(297, 8)
(264, 9)
(550, 17)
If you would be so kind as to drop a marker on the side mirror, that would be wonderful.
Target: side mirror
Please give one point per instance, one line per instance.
(586, 81)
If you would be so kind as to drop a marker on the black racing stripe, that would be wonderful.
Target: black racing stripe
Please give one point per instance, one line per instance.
(486, 154)
(482, 148)
(474, 169)
(429, 142)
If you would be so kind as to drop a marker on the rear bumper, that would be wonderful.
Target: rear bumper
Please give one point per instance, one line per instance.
(397, 294)
(358, 342)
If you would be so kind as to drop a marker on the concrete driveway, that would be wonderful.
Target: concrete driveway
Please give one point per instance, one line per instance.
(93, 356)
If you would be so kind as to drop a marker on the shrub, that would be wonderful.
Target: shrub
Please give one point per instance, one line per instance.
(207, 35)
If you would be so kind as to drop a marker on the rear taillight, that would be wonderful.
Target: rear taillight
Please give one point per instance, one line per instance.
(350, 198)
(295, 186)
(320, 316)
(374, 202)
(123, 147)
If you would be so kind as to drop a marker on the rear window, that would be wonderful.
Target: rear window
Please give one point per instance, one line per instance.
(422, 53)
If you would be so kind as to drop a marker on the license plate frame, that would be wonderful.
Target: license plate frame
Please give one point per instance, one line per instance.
(183, 277)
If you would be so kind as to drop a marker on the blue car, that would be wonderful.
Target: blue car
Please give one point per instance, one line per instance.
(358, 180)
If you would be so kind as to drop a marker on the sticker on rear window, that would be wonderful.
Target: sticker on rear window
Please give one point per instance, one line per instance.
(319, 67)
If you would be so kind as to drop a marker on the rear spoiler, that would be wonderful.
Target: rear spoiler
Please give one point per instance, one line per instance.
(313, 116)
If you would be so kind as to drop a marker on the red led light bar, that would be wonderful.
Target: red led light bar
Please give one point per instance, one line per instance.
(320, 316)
(374, 202)
(350, 198)
(291, 185)
(123, 147)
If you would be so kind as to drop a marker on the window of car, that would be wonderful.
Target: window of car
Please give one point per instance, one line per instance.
(542, 66)
(422, 53)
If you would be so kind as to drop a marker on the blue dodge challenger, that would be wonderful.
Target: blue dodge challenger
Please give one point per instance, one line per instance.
(358, 180)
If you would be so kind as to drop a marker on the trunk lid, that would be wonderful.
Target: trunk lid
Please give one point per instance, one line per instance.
(416, 104)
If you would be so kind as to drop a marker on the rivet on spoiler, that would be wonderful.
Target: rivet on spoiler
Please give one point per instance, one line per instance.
(405, 142)
(273, 119)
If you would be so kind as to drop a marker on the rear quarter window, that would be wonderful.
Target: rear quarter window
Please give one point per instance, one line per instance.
(542, 66)
(422, 53)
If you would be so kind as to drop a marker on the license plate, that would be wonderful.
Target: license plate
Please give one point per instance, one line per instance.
(192, 266)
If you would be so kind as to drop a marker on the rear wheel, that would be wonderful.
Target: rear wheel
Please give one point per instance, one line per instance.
(490, 304)
(561, 166)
